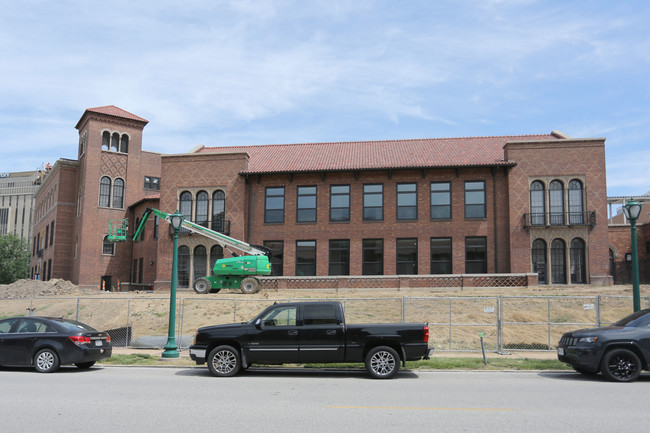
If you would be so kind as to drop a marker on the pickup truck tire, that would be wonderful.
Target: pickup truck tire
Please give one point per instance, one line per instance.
(621, 365)
(250, 285)
(202, 286)
(382, 362)
(224, 361)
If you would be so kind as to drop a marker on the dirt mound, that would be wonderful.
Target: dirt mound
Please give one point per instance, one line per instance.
(35, 288)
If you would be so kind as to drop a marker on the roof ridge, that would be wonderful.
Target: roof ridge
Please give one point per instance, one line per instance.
(399, 140)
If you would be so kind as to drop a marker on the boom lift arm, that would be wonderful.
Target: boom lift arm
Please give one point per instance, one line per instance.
(233, 272)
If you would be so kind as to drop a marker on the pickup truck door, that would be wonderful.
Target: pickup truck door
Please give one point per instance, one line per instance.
(322, 336)
(275, 338)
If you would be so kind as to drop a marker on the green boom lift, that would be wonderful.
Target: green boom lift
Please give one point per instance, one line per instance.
(228, 273)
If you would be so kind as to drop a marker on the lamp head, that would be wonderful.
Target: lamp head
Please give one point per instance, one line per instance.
(176, 219)
(632, 210)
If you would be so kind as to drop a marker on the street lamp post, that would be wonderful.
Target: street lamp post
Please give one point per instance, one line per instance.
(632, 210)
(171, 349)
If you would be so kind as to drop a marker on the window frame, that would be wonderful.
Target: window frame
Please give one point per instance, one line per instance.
(336, 196)
(440, 192)
(368, 195)
(406, 256)
(406, 195)
(477, 248)
(448, 263)
(366, 249)
(339, 256)
(105, 189)
(306, 257)
(276, 209)
(470, 206)
(306, 212)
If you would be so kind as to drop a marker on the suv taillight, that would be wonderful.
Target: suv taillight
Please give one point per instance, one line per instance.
(79, 339)
(426, 333)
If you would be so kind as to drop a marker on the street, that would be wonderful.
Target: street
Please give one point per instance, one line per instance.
(141, 399)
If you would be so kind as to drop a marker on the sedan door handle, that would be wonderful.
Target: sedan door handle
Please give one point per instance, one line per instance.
(331, 332)
(293, 332)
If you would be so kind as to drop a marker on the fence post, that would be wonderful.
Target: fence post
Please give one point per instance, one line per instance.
(450, 322)
(598, 311)
(403, 309)
(499, 330)
(180, 329)
(548, 312)
(77, 316)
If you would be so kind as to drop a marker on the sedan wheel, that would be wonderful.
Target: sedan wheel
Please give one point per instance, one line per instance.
(46, 361)
(382, 362)
(224, 361)
(621, 365)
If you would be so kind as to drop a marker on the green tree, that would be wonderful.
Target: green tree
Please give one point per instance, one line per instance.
(14, 258)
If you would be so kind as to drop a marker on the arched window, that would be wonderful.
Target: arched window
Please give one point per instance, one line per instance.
(106, 140)
(556, 203)
(105, 192)
(216, 253)
(124, 145)
(537, 204)
(108, 247)
(219, 211)
(538, 255)
(183, 266)
(578, 271)
(186, 205)
(558, 262)
(576, 211)
(200, 262)
(118, 193)
(115, 142)
(202, 209)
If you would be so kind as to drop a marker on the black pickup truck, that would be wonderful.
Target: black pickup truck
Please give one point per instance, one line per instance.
(305, 332)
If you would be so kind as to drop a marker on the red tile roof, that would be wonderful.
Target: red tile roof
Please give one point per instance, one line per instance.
(387, 154)
(112, 110)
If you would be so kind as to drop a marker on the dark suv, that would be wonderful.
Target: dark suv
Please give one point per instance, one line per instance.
(619, 351)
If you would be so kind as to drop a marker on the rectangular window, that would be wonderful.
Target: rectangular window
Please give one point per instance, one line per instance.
(134, 279)
(49, 269)
(476, 255)
(373, 202)
(475, 199)
(4, 220)
(407, 201)
(441, 256)
(47, 235)
(339, 203)
(306, 204)
(151, 182)
(440, 200)
(52, 233)
(277, 256)
(140, 269)
(407, 256)
(305, 258)
(156, 226)
(339, 263)
(274, 205)
(373, 257)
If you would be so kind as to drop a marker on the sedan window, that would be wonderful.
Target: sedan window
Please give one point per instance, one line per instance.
(5, 325)
(29, 325)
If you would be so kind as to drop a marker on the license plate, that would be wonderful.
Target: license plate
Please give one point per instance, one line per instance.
(98, 342)
(560, 351)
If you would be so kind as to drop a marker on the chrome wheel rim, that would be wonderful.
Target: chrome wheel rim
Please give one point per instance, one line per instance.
(382, 363)
(45, 360)
(224, 362)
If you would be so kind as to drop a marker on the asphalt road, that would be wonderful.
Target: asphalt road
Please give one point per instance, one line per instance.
(183, 400)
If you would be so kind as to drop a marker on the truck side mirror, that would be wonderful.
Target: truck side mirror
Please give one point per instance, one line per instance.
(258, 323)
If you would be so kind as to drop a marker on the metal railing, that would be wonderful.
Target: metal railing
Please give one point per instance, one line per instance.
(509, 323)
(547, 219)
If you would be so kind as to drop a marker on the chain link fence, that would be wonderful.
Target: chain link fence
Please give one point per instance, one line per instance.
(509, 323)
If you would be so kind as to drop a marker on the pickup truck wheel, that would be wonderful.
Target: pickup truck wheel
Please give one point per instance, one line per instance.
(250, 285)
(382, 362)
(621, 365)
(202, 286)
(224, 361)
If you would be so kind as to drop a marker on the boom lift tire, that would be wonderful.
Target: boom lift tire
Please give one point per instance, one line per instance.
(250, 285)
(202, 286)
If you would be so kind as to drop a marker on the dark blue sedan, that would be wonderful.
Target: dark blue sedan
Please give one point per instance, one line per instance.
(46, 343)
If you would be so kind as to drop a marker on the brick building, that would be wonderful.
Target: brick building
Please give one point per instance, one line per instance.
(508, 204)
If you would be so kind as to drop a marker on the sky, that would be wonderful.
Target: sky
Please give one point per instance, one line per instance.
(223, 73)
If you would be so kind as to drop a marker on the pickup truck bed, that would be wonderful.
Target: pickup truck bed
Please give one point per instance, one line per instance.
(309, 332)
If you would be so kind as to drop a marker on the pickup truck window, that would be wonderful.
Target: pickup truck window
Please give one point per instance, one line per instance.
(319, 315)
(281, 316)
